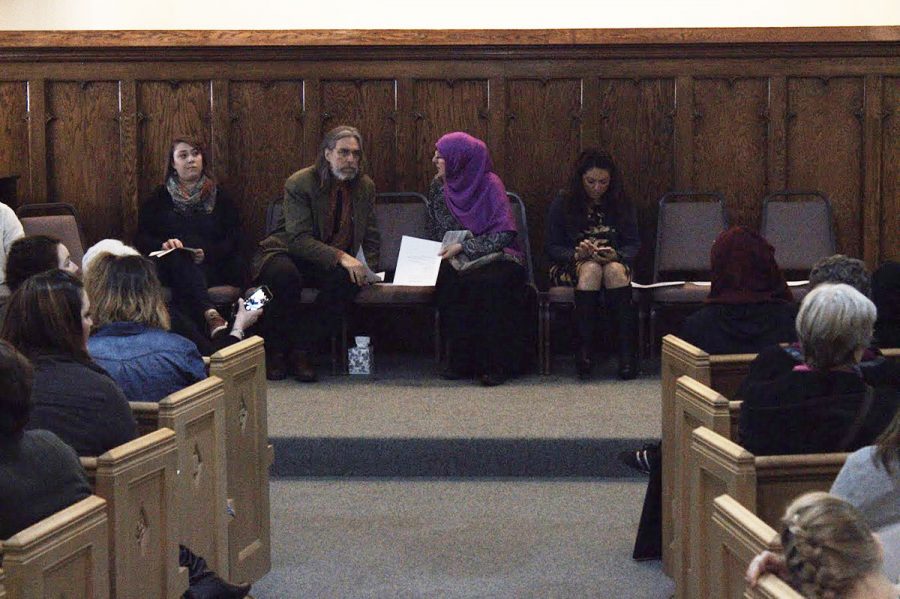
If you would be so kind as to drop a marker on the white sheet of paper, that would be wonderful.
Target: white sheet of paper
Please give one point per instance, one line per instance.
(418, 263)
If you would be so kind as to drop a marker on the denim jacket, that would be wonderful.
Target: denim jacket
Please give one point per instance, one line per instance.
(147, 363)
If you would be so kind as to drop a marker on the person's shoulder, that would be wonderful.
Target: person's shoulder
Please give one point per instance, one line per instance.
(305, 176)
(6, 212)
(46, 441)
(367, 185)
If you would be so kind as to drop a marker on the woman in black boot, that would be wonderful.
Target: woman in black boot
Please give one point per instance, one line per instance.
(592, 239)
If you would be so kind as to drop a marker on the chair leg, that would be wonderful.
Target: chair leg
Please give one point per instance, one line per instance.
(546, 315)
(437, 336)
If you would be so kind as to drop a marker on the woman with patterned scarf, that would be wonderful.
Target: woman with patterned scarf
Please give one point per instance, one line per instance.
(191, 211)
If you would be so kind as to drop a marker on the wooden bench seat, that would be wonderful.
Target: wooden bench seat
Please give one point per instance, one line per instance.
(197, 415)
(138, 482)
(63, 555)
(765, 485)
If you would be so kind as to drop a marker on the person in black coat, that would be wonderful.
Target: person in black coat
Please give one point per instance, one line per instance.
(592, 240)
(190, 210)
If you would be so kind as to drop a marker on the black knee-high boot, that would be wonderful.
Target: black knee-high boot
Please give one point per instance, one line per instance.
(585, 319)
(621, 310)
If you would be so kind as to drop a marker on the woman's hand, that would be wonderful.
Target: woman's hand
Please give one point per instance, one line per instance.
(765, 563)
(354, 268)
(604, 254)
(451, 250)
(171, 244)
(244, 319)
(584, 250)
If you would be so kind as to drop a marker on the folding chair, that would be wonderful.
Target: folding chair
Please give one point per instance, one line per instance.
(56, 219)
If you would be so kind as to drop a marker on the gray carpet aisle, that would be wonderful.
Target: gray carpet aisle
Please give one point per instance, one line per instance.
(411, 486)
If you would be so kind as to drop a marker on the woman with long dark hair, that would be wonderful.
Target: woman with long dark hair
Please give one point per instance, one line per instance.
(592, 240)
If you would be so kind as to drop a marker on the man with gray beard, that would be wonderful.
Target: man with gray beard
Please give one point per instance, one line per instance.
(328, 215)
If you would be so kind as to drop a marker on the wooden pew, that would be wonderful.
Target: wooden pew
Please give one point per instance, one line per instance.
(724, 373)
(63, 555)
(242, 368)
(763, 484)
(738, 536)
(197, 415)
(138, 482)
(771, 587)
(695, 405)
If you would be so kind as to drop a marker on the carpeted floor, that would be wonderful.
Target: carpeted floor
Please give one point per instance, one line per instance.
(406, 485)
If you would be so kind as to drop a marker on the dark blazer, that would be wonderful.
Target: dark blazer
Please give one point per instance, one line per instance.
(559, 244)
(299, 231)
(39, 475)
(81, 404)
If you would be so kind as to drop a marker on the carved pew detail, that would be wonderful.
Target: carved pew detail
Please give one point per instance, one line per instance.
(197, 415)
(63, 555)
(138, 482)
(242, 369)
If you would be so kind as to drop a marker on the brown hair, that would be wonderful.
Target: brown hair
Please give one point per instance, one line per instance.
(125, 289)
(194, 143)
(828, 547)
(329, 142)
(30, 255)
(16, 378)
(44, 316)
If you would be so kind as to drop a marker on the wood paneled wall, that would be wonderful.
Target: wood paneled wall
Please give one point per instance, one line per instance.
(87, 118)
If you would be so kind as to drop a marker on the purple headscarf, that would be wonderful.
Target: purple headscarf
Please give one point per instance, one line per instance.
(473, 192)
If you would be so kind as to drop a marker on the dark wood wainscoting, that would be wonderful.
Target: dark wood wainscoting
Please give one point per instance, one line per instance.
(86, 117)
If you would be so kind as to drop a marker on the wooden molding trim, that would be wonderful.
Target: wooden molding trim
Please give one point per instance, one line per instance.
(448, 37)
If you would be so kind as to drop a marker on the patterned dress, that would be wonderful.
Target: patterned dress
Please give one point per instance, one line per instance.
(598, 231)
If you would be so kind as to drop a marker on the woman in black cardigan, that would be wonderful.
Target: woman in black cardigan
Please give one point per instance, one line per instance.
(592, 240)
(191, 211)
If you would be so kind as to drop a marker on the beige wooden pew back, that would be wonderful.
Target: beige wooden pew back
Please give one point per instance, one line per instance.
(738, 535)
(138, 482)
(63, 555)
(724, 373)
(764, 485)
(772, 587)
(242, 368)
(197, 415)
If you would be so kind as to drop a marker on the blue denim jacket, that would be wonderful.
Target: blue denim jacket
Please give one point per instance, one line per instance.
(147, 363)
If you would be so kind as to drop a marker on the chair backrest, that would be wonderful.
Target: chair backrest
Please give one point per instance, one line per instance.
(398, 213)
(518, 208)
(63, 555)
(274, 214)
(58, 220)
(800, 230)
(687, 225)
(738, 536)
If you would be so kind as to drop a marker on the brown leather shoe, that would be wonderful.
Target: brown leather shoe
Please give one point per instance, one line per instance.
(302, 367)
(276, 367)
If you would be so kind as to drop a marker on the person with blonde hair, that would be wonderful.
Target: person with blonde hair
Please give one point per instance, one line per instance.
(829, 552)
(131, 338)
(822, 404)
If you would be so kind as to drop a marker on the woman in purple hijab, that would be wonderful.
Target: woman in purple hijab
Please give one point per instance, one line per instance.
(480, 289)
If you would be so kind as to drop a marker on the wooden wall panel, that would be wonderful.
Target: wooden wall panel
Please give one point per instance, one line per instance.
(167, 109)
(824, 148)
(890, 169)
(543, 138)
(371, 107)
(266, 146)
(14, 135)
(730, 143)
(439, 107)
(84, 164)
(635, 120)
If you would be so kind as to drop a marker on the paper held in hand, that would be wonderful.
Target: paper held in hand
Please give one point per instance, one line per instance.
(418, 262)
(161, 253)
(371, 277)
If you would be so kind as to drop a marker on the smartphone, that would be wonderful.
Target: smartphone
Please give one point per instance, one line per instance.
(258, 298)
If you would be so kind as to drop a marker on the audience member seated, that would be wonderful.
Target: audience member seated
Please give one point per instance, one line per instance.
(592, 241)
(480, 289)
(49, 321)
(328, 217)
(39, 474)
(870, 482)
(33, 254)
(829, 552)
(886, 295)
(131, 338)
(241, 321)
(823, 404)
(10, 230)
(841, 269)
(749, 303)
(189, 210)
